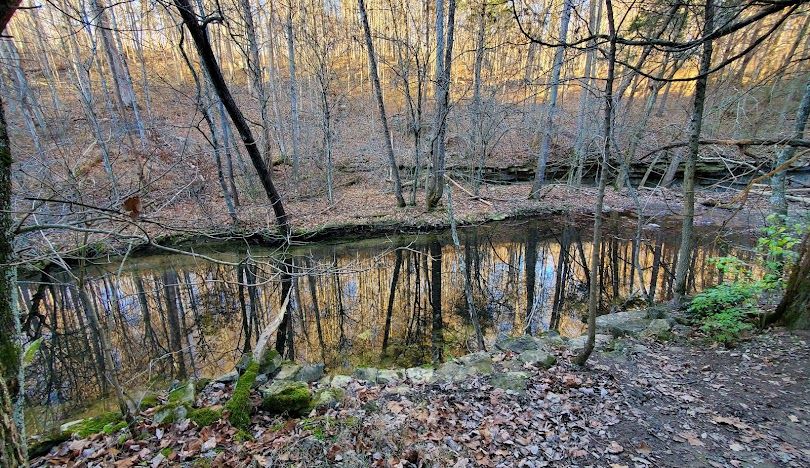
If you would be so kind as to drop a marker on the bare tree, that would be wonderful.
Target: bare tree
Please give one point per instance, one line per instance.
(375, 79)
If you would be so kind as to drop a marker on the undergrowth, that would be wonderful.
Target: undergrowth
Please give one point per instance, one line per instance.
(726, 311)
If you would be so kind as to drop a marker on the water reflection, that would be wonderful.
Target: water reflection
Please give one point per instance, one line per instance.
(394, 301)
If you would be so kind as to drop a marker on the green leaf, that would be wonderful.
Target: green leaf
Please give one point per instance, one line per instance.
(31, 351)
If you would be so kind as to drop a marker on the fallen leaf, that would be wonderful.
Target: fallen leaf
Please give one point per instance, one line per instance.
(615, 448)
(644, 448)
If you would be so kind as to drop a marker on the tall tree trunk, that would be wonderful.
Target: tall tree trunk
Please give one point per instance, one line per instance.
(12, 429)
(594, 286)
(778, 181)
(296, 120)
(583, 116)
(688, 214)
(444, 61)
(389, 148)
(206, 53)
(254, 65)
(548, 128)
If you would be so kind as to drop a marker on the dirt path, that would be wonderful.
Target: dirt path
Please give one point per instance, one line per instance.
(691, 406)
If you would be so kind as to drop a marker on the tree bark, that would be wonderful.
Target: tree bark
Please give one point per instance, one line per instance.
(594, 287)
(688, 213)
(548, 128)
(794, 309)
(444, 61)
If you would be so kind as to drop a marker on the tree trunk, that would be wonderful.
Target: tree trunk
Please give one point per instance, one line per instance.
(444, 61)
(389, 148)
(296, 120)
(206, 53)
(548, 128)
(594, 287)
(778, 182)
(685, 250)
(794, 310)
(11, 430)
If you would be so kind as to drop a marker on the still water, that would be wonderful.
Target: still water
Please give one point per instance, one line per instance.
(393, 301)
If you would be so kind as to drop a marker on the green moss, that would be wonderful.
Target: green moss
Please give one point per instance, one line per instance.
(202, 463)
(351, 421)
(202, 383)
(238, 406)
(295, 400)
(183, 394)
(106, 423)
(150, 400)
(9, 356)
(242, 436)
(204, 416)
(166, 451)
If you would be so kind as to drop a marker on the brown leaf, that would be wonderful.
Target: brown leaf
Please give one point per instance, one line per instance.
(644, 448)
(615, 448)
(133, 206)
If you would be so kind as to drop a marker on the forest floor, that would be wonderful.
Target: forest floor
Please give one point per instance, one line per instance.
(638, 403)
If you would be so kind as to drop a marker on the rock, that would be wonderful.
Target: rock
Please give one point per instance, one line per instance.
(327, 398)
(451, 371)
(230, 377)
(368, 374)
(244, 362)
(481, 362)
(183, 395)
(261, 379)
(387, 376)
(310, 373)
(578, 343)
(170, 414)
(68, 426)
(285, 396)
(420, 374)
(402, 390)
(538, 358)
(657, 312)
(550, 340)
(340, 381)
(658, 328)
(623, 323)
(288, 371)
(271, 363)
(513, 381)
(517, 344)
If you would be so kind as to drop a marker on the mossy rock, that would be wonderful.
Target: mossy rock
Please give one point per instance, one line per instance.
(204, 416)
(184, 394)
(170, 413)
(239, 406)
(271, 362)
(107, 423)
(286, 397)
(328, 397)
(42, 444)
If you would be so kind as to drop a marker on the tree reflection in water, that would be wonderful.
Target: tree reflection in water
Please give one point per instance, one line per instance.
(397, 302)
